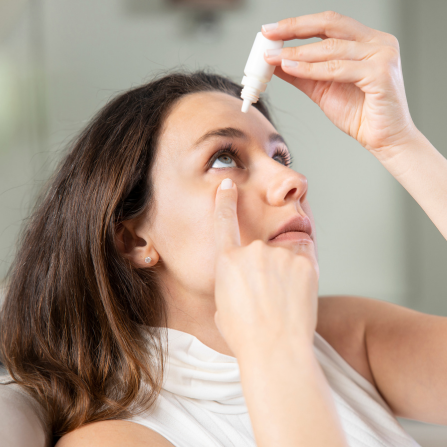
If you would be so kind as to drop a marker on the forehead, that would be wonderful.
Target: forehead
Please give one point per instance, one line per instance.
(197, 113)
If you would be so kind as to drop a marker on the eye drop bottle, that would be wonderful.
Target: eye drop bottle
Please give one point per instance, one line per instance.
(257, 71)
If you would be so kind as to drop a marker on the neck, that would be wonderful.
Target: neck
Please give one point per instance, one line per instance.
(194, 314)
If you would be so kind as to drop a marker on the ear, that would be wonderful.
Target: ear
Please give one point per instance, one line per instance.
(133, 244)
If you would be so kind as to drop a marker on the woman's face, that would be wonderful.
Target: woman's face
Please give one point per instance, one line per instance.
(186, 176)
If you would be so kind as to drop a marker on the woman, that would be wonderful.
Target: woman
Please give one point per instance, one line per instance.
(165, 215)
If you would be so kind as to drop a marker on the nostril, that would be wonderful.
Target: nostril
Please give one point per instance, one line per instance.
(291, 192)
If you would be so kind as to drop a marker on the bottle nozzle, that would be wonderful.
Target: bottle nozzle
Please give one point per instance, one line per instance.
(257, 71)
(246, 105)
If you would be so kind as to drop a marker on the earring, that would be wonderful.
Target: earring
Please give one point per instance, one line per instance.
(147, 260)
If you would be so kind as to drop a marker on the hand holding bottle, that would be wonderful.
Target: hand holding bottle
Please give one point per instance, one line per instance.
(354, 74)
(264, 294)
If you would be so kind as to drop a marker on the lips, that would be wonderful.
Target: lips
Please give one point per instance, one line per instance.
(296, 223)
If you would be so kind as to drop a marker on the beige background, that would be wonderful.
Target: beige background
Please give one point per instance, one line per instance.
(60, 61)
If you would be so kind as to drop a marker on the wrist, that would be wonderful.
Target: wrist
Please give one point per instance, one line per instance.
(398, 158)
(262, 355)
(288, 397)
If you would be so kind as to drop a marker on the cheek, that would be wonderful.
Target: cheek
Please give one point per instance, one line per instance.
(184, 231)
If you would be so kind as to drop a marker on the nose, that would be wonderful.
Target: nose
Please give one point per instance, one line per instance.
(290, 187)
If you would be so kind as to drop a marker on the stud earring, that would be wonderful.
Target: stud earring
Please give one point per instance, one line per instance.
(147, 260)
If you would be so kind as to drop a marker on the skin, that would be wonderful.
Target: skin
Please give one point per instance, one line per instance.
(181, 233)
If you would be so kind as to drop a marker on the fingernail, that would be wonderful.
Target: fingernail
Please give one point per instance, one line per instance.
(273, 52)
(269, 27)
(226, 184)
(289, 63)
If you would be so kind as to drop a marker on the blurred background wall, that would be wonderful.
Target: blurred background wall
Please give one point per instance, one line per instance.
(60, 61)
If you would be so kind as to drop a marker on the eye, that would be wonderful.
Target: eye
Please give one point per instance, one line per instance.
(229, 152)
(285, 155)
(224, 156)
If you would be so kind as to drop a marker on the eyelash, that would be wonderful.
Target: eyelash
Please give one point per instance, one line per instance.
(231, 150)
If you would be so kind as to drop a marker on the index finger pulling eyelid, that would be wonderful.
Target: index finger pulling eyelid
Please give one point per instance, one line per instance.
(226, 225)
(329, 24)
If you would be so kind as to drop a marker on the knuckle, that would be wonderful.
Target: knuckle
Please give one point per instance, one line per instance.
(307, 68)
(392, 40)
(295, 53)
(294, 22)
(291, 22)
(333, 66)
(256, 250)
(329, 45)
(392, 54)
(386, 68)
(257, 245)
(331, 16)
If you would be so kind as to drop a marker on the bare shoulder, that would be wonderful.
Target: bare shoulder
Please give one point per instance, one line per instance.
(342, 322)
(113, 434)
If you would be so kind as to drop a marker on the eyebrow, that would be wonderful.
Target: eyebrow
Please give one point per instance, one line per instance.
(232, 132)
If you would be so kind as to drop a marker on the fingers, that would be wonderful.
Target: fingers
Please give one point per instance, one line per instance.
(334, 70)
(325, 50)
(307, 86)
(226, 225)
(333, 60)
(324, 24)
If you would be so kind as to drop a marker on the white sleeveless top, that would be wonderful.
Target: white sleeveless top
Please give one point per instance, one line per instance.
(201, 403)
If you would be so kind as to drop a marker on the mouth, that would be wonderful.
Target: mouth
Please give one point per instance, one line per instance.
(296, 228)
(295, 236)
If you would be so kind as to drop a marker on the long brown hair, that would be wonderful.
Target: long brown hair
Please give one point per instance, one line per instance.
(74, 308)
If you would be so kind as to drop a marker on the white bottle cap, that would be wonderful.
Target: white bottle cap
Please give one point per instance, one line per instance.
(257, 71)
